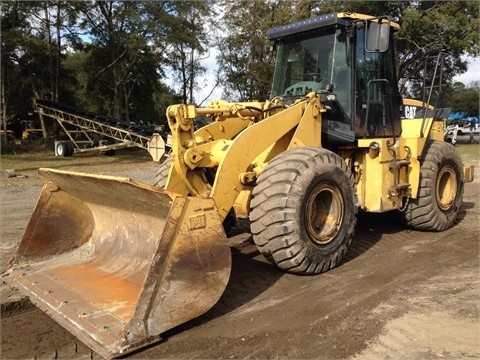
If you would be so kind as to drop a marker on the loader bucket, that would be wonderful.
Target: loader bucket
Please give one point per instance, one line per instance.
(117, 262)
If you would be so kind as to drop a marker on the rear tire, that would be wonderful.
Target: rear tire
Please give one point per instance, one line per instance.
(304, 210)
(441, 189)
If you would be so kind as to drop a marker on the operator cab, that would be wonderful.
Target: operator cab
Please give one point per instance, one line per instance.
(347, 58)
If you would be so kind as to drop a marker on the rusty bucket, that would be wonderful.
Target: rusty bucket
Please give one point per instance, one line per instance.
(117, 262)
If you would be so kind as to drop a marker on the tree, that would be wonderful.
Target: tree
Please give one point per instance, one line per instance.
(32, 54)
(427, 27)
(247, 69)
(466, 100)
(111, 56)
(13, 24)
(24, 58)
(115, 71)
(112, 25)
(187, 43)
(126, 56)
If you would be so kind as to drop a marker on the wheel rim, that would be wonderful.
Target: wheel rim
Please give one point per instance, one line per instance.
(324, 213)
(446, 187)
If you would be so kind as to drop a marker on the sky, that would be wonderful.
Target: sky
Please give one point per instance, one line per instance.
(207, 83)
(473, 73)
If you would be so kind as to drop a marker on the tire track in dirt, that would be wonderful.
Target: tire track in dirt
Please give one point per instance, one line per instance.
(443, 312)
(444, 331)
(388, 261)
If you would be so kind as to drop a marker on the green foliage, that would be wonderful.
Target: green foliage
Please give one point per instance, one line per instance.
(431, 27)
(467, 101)
(428, 27)
(246, 67)
(188, 42)
(23, 57)
(118, 57)
(29, 59)
(111, 56)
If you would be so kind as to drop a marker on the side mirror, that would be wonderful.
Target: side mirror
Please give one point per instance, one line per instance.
(377, 35)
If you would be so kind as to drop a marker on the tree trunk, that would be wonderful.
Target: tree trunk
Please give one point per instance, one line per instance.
(117, 96)
(191, 76)
(184, 75)
(58, 24)
(3, 109)
(126, 95)
(48, 38)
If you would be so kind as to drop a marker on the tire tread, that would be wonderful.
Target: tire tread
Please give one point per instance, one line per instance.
(273, 212)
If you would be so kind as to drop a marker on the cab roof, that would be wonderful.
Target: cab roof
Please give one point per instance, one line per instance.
(319, 22)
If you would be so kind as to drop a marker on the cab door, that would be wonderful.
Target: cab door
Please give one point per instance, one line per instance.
(377, 102)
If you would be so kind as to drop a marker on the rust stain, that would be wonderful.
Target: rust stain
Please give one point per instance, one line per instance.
(112, 293)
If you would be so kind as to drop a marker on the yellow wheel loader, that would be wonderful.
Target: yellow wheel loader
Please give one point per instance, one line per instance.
(118, 262)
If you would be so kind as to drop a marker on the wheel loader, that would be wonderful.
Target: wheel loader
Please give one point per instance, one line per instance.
(118, 262)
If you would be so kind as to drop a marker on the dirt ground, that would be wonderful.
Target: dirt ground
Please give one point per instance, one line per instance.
(398, 294)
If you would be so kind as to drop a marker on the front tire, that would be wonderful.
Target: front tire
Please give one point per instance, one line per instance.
(303, 210)
(162, 173)
(440, 192)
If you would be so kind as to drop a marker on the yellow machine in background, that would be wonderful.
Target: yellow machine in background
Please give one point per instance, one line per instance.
(118, 262)
(29, 132)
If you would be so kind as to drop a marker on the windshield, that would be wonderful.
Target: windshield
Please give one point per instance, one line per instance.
(309, 64)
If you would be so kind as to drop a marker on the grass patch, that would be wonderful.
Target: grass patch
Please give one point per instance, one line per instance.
(470, 153)
(38, 146)
(124, 159)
